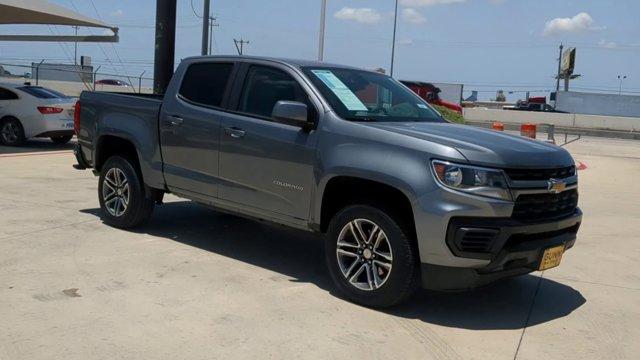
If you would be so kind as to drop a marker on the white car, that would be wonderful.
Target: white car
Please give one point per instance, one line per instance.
(33, 111)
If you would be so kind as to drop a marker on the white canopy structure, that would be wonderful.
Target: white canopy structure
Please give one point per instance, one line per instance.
(41, 12)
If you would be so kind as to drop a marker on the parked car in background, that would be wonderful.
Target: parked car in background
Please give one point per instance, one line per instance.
(535, 103)
(403, 197)
(111, 82)
(429, 93)
(33, 111)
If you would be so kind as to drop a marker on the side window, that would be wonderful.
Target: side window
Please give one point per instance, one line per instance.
(205, 83)
(7, 94)
(265, 86)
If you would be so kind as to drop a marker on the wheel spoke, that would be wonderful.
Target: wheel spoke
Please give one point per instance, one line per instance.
(369, 276)
(110, 181)
(384, 255)
(358, 226)
(346, 253)
(383, 264)
(359, 240)
(353, 279)
(373, 233)
(379, 239)
(350, 269)
(376, 277)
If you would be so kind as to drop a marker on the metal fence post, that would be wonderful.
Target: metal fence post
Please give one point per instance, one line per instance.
(95, 73)
(140, 82)
(38, 71)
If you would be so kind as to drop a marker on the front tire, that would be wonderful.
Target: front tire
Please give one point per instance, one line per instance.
(62, 139)
(11, 132)
(121, 194)
(370, 257)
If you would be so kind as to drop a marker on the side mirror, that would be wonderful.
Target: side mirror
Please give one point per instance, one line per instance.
(291, 113)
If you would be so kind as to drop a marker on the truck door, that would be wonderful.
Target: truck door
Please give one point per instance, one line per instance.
(264, 164)
(190, 124)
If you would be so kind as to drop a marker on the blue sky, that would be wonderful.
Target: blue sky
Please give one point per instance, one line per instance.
(484, 44)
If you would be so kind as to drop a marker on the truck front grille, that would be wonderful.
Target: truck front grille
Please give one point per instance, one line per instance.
(535, 207)
(540, 174)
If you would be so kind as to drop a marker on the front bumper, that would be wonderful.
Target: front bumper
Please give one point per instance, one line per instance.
(508, 247)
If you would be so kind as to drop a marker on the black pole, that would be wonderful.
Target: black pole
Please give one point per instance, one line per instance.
(165, 44)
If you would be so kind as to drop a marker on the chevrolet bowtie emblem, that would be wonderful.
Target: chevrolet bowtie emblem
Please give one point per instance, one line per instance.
(556, 186)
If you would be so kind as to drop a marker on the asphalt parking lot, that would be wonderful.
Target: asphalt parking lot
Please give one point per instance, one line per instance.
(195, 283)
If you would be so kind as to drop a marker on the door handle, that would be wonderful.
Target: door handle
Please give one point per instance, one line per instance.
(175, 120)
(234, 132)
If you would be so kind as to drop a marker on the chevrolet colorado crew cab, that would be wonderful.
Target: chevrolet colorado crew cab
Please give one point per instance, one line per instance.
(403, 197)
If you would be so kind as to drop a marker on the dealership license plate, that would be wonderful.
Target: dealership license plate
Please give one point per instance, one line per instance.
(551, 257)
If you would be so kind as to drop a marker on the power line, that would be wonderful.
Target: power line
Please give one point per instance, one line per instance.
(241, 47)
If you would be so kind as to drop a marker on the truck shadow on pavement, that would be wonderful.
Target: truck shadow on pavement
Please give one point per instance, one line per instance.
(300, 255)
(36, 145)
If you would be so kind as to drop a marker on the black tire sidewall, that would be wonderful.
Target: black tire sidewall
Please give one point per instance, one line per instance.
(402, 280)
(63, 139)
(138, 203)
(21, 137)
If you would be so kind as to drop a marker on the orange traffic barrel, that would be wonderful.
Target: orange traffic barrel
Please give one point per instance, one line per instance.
(498, 126)
(528, 130)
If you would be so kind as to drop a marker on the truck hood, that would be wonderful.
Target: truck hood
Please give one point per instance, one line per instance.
(483, 146)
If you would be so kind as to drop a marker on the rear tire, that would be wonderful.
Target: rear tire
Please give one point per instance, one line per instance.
(121, 194)
(62, 139)
(11, 132)
(390, 271)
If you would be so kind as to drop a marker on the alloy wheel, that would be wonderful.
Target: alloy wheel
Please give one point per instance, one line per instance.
(115, 192)
(10, 132)
(364, 254)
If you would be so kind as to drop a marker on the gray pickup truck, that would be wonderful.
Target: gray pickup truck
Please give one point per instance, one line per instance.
(403, 197)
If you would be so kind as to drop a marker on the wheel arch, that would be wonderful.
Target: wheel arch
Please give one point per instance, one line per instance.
(344, 190)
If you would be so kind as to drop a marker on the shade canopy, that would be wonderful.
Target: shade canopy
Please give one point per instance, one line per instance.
(41, 12)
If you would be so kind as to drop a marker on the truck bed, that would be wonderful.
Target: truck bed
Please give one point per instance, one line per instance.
(133, 117)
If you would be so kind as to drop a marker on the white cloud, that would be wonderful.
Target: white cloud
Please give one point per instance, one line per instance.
(118, 12)
(405, 42)
(425, 3)
(582, 22)
(607, 44)
(361, 15)
(413, 16)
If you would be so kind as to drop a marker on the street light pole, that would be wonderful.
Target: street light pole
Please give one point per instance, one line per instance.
(393, 43)
(323, 13)
(621, 77)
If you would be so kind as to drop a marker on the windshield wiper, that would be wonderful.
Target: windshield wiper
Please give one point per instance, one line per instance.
(363, 119)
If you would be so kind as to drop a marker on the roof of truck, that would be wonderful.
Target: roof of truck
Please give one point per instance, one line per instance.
(291, 62)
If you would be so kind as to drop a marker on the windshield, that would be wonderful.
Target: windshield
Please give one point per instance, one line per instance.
(360, 95)
(43, 93)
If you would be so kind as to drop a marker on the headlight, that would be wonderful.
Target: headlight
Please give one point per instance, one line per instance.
(472, 179)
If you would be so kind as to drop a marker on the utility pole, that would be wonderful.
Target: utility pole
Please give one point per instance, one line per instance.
(323, 13)
(165, 44)
(75, 48)
(205, 27)
(240, 48)
(393, 43)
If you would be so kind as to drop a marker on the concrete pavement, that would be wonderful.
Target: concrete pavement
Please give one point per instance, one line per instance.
(199, 284)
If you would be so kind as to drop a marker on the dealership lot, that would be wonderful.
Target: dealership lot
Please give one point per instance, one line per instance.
(196, 283)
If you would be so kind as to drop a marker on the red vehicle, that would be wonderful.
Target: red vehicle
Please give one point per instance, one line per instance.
(429, 92)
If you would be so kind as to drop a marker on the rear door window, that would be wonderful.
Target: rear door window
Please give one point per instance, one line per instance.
(206, 83)
(42, 93)
(7, 94)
